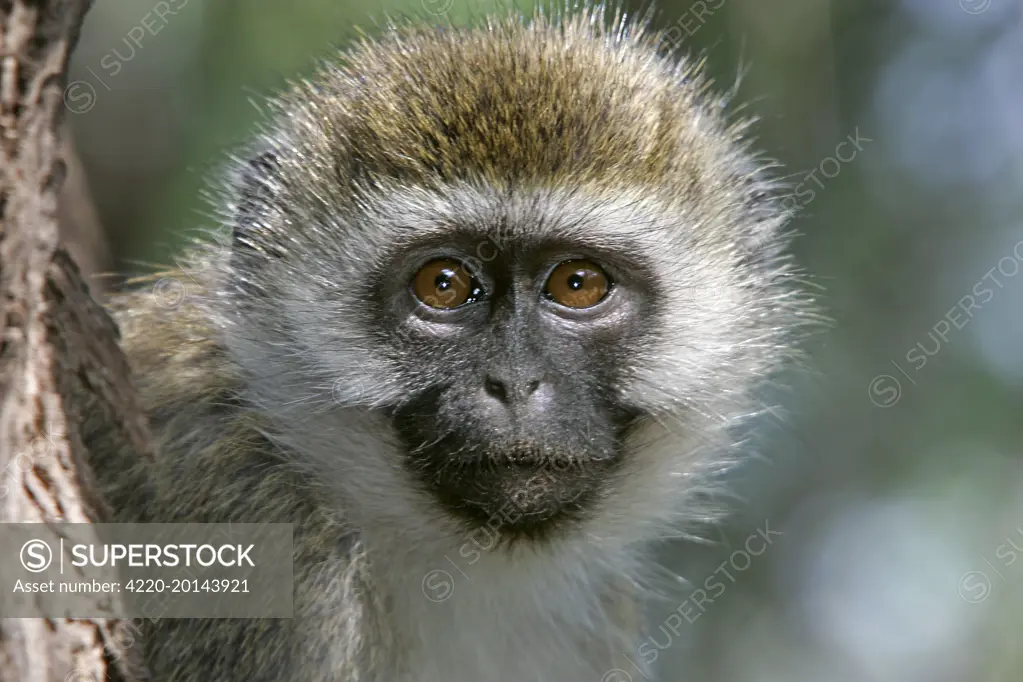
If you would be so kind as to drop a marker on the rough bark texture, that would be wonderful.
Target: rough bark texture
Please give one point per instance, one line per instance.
(62, 375)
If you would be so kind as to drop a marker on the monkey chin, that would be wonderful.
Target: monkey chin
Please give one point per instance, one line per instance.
(520, 496)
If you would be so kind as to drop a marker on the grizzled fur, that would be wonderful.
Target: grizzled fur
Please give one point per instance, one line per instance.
(271, 385)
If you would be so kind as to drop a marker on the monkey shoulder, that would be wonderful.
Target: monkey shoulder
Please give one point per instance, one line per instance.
(212, 464)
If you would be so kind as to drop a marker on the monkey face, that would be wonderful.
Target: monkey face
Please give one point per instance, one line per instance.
(542, 358)
(531, 359)
(519, 423)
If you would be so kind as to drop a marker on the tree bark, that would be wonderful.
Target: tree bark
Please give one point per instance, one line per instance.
(61, 370)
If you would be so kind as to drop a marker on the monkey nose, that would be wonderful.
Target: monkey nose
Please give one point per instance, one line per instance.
(511, 392)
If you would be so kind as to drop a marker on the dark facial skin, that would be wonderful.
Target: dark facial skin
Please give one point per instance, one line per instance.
(521, 423)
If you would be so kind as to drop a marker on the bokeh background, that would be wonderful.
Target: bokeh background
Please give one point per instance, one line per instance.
(891, 480)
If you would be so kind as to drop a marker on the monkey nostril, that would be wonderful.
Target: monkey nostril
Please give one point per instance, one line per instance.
(507, 392)
(496, 389)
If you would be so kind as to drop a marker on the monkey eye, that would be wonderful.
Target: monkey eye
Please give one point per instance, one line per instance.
(577, 284)
(445, 284)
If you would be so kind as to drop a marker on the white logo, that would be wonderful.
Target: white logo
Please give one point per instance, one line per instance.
(36, 556)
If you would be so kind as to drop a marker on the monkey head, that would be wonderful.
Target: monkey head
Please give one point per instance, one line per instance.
(532, 279)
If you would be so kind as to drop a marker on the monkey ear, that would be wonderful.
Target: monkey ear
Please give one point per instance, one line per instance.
(256, 185)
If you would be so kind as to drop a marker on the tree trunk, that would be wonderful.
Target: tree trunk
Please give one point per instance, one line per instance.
(60, 364)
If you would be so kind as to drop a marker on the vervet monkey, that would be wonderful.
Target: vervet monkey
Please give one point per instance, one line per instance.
(494, 296)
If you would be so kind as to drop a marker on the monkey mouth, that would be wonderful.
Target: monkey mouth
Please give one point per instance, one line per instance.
(521, 482)
(517, 492)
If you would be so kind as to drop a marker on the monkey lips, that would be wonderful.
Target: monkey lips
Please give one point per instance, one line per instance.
(518, 490)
